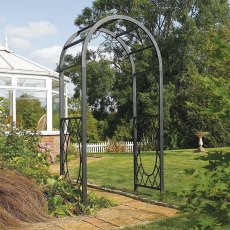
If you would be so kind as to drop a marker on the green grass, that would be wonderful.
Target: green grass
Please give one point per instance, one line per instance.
(173, 223)
(166, 224)
(115, 170)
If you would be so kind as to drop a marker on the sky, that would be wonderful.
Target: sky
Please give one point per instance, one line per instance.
(38, 29)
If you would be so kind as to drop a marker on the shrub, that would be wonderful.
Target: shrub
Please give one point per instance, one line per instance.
(19, 152)
(63, 197)
(208, 201)
(116, 147)
(72, 151)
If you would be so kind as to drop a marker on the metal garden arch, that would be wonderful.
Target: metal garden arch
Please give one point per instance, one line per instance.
(77, 126)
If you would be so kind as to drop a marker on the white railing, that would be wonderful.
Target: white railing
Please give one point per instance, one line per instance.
(102, 147)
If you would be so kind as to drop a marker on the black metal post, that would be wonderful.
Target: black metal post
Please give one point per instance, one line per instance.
(84, 157)
(61, 114)
(61, 150)
(161, 120)
(135, 130)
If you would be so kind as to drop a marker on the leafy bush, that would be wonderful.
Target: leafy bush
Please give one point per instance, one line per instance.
(63, 197)
(19, 152)
(94, 203)
(208, 202)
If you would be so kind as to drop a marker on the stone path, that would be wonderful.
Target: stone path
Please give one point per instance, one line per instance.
(129, 212)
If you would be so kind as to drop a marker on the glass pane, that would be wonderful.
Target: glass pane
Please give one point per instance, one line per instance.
(55, 104)
(5, 81)
(31, 109)
(6, 107)
(28, 82)
(55, 85)
(71, 89)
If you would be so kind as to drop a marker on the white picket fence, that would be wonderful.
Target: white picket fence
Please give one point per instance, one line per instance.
(102, 147)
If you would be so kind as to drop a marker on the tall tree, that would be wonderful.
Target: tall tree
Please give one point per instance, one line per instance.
(193, 36)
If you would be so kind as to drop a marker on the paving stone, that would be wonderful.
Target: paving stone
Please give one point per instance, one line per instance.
(120, 199)
(78, 225)
(129, 212)
(124, 215)
(62, 224)
(164, 211)
(102, 224)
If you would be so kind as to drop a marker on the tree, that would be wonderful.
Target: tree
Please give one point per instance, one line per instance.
(193, 37)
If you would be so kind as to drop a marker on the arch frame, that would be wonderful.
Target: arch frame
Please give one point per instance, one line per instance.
(90, 30)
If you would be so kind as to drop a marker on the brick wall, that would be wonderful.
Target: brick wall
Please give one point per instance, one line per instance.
(54, 142)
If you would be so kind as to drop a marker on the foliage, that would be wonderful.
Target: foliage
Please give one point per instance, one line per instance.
(212, 110)
(19, 152)
(115, 147)
(207, 110)
(63, 197)
(208, 200)
(123, 131)
(193, 38)
(3, 116)
(29, 109)
(94, 203)
(72, 151)
(91, 125)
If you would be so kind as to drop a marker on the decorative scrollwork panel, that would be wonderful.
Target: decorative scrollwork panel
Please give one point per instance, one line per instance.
(70, 132)
(147, 141)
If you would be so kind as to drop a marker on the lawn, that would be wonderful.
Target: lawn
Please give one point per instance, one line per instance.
(173, 223)
(115, 170)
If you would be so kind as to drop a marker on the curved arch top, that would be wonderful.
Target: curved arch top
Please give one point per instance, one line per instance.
(110, 19)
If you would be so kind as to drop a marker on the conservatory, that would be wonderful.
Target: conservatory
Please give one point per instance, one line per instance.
(29, 93)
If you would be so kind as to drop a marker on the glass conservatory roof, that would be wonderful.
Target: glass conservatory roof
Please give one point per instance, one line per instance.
(14, 63)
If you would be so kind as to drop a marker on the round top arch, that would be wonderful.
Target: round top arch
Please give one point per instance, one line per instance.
(108, 25)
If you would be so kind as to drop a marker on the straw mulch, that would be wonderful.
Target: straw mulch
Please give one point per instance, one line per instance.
(20, 201)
